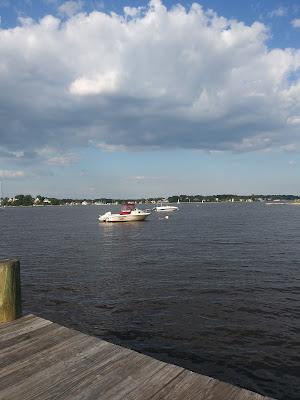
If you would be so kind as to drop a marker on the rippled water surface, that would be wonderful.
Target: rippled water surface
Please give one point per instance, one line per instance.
(215, 288)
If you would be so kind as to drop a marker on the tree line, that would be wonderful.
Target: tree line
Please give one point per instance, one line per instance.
(28, 200)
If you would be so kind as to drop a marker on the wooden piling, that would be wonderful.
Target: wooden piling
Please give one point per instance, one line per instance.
(10, 290)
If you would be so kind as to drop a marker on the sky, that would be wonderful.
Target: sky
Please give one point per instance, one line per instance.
(149, 98)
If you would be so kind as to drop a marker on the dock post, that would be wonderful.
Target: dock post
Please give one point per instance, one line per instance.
(10, 290)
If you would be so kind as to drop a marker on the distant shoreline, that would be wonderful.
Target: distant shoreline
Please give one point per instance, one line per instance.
(290, 202)
(38, 201)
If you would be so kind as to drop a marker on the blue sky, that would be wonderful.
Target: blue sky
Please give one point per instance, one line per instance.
(136, 98)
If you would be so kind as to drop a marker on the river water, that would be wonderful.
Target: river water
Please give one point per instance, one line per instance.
(215, 288)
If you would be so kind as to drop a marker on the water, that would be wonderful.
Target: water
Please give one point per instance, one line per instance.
(215, 288)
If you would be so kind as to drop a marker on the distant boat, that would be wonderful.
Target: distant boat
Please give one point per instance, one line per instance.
(128, 213)
(165, 208)
(276, 203)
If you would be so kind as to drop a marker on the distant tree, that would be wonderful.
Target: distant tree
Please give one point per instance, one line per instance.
(54, 201)
(23, 200)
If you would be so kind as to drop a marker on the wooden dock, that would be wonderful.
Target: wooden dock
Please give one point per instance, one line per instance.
(42, 360)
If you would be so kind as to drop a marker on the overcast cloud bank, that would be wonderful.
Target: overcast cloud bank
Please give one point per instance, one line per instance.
(151, 78)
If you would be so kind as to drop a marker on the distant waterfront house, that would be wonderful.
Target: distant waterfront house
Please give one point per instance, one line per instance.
(46, 201)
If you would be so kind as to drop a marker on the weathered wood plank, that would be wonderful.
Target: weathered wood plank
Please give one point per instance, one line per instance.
(187, 385)
(191, 386)
(26, 340)
(11, 326)
(32, 343)
(59, 376)
(145, 385)
(21, 329)
(99, 378)
(116, 382)
(19, 371)
(41, 360)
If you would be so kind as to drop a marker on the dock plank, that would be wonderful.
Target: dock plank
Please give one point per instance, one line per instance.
(187, 385)
(150, 385)
(64, 373)
(123, 378)
(20, 344)
(22, 328)
(41, 360)
(55, 350)
(9, 326)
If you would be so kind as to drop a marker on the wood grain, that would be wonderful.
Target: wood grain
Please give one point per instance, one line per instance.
(41, 360)
(10, 290)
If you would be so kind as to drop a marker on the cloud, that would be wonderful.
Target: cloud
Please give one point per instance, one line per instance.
(52, 157)
(296, 23)
(4, 173)
(63, 159)
(151, 78)
(290, 148)
(96, 85)
(141, 178)
(294, 120)
(70, 8)
(278, 12)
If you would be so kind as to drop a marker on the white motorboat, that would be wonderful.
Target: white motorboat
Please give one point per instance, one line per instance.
(128, 213)
(165, 208)
(277, 203)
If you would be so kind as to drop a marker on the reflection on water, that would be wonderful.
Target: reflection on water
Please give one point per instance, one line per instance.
(214, 288)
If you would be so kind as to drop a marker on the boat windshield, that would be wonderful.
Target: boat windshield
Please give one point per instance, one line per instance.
(127, 208)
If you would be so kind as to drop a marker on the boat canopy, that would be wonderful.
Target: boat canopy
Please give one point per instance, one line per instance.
(127, 208)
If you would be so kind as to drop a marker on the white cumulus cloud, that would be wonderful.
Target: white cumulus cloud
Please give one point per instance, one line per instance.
(96, 85)
(278, 12)
(296, 23)
(151, 78)
(70, 8)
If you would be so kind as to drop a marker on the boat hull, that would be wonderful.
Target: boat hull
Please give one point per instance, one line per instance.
(166, 209)
(108, 217)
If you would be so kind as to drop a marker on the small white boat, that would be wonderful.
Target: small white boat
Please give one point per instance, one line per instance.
(165, 208)
(128, 213)
(277, 203)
